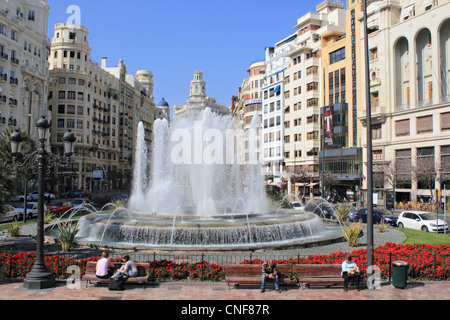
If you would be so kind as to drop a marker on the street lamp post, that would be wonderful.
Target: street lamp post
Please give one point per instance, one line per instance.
(370, 249)
(41, 161)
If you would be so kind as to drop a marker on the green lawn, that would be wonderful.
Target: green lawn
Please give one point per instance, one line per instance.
(419, 237)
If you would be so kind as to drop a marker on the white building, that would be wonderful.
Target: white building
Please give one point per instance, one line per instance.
(409, 53)
(198, 100)
(24, 47)
(276, 62)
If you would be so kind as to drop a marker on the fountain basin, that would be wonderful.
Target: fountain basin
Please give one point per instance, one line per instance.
(284, 228)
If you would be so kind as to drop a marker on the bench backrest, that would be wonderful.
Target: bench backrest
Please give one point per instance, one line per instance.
(318, 270)
(251, 269)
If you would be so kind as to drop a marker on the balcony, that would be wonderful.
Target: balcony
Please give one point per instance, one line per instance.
(34, 72)
(378, 114)
(14, 61)
(12, 102)
(313, 61)
(13, 81)
(2, 99)
(3, 56)
(3, 77)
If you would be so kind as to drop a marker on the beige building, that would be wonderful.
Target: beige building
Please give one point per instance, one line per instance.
(24, 47)
(409, 53)
(102, 106)
(341, 152)
(198, 100)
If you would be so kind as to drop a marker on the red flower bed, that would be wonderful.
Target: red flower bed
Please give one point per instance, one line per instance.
(425, 262)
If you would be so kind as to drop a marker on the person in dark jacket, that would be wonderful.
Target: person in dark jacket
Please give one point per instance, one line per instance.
(269, 271)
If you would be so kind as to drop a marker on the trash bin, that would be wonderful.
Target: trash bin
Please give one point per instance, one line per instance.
(400, 274)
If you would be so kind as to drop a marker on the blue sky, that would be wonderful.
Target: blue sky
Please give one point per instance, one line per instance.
(174, 38)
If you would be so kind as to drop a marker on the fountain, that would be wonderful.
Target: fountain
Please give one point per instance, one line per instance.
(192, 191)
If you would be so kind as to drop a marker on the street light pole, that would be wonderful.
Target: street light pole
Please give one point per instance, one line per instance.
(40, 277)
(370, 248)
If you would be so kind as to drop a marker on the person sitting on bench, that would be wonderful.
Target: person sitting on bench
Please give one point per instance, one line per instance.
(129, 269)
(350, 271)
(103, 269)
(269, 271)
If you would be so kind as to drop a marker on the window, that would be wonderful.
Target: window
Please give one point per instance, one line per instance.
(72, 35)
(70, 109)
(376, 131)
(71, 95)
(61, 95)
(13, 35)
(424, 124)
(60, 123)
(70, 123)
(445, 121)
(61, 109)
(402, 128)
(337, 55)
(403, 168)
(373, 54)
(378, 155)
(31, 15)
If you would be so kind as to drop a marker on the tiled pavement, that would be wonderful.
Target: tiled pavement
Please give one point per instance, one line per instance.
(439, 290)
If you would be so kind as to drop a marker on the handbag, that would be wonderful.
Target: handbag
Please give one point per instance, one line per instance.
(116, 285)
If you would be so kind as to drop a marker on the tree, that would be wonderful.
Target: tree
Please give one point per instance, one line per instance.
(425, 173)
(11, 177)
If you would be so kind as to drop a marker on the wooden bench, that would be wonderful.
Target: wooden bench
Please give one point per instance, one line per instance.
(322, 274)
(251, 274)
(142, 277)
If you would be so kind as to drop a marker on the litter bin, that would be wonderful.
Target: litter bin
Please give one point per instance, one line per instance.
(400, 274)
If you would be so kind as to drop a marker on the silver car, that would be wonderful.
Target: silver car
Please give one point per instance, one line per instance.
(32, 210)
(8, 213)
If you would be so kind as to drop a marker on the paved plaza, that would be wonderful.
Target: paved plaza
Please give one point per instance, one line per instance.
(417, 290)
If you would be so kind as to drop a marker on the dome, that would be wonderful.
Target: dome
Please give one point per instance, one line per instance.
(162, 103)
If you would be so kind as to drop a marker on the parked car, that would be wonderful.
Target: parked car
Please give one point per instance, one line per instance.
(79, 193)
(352, 211)
(421, 220)
(60, 206)
(378, 215)
(35, 195)
(79, 201)
(321, 208)
(32, 210)
(8, 213)
(297, 205)
(20, 198)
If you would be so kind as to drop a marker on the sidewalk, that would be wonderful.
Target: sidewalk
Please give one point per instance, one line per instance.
(429, 290)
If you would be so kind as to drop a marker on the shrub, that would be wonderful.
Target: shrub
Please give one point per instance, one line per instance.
(48, 216)
(352, 234)
(14, 229)
(68, 234)
(342, 212)
(382, 226)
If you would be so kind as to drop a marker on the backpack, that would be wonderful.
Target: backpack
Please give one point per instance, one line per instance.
(116, 285)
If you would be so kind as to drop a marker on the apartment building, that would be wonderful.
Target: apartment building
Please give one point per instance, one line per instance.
(248, 102)
(24, 47)
(273, 101)
(302, 96)
(102, 106)
(409, 60)
(341, 152)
